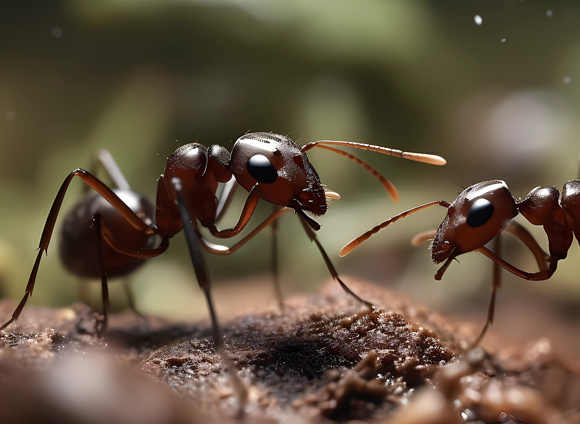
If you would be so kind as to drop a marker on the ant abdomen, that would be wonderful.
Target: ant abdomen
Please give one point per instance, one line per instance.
(77, 247)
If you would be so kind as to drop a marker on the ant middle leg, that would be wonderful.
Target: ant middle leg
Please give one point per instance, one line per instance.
(102, 321)
(496, 281)
(203, 279)
(542, 259)
(198, 261)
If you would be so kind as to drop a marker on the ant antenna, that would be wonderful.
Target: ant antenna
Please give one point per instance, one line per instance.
(417, 157)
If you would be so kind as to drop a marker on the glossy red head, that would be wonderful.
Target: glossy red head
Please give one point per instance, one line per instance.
(477, 215)
(282, 171)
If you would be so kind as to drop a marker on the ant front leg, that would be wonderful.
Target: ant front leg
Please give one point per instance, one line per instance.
(249, 208)
(220, 250)
(519, 231)
(544, 274)
(226, 197)
(312, 236)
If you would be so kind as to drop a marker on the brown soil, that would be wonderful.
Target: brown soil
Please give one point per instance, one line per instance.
(325, 359)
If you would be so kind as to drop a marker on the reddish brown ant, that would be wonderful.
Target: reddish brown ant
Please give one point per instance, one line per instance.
(108, 233)
(482, 212)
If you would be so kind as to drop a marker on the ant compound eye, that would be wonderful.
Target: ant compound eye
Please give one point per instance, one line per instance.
(481, 211)
(262, 170)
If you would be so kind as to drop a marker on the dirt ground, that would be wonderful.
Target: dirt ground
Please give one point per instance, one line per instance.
(325, 359)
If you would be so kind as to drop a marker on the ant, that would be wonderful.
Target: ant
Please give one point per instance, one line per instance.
(110, 232)
(483, 212)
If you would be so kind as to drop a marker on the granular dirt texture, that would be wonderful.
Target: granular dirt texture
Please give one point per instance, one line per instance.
(325, 359)
(307, 358)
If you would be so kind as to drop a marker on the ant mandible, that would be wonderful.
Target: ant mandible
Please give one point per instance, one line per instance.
(482, 212)
(119, 227)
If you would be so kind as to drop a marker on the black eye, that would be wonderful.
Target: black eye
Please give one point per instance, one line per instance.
(481, 211)
(262, 170)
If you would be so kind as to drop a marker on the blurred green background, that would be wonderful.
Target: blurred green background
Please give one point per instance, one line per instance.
(496, 95)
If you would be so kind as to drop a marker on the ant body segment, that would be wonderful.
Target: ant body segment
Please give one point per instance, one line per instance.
(482, 212)
(110, 232)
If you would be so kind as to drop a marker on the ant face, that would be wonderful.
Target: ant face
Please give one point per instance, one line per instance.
(476, 216)
(283, 172)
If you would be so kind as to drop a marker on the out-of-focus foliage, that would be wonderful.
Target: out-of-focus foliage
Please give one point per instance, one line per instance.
(139, 78)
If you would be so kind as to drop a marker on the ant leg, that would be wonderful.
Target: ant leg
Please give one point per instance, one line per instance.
(496, 286)
(100, 188)
(104, 159)
(218, 249)
(101, 324)
(546, 263)
(141, 254)
(249, 208)
(27, 292)
(197, 260)
(525, 237)
(312, 236)
(202, 274)
(226, 197)
(532, 276)
(274, 257)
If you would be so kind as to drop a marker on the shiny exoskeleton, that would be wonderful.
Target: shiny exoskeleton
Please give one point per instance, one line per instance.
(483, 211)
(111, 231)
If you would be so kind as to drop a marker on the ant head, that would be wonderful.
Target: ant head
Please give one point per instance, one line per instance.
(283, 172)
(477, 215)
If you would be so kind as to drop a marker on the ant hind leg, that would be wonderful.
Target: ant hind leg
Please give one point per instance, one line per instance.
(103, 159)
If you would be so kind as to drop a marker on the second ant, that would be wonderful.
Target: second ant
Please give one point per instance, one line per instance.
(482, 212)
